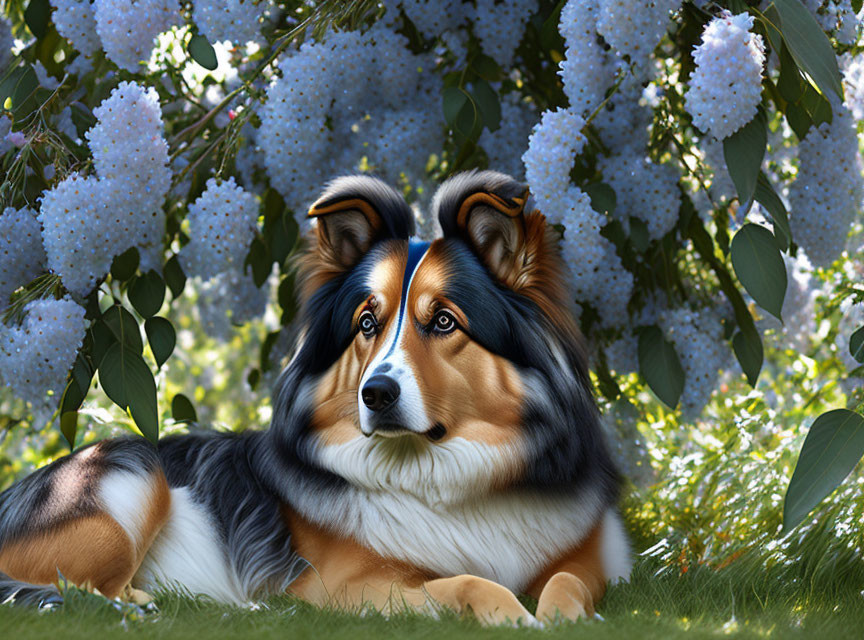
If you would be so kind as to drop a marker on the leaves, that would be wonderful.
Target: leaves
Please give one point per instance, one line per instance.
(128, 381)
(743, 151)
(147, 294)
(182, 409)
(809, 45)
(162, 338)
(748, 350)
(460, 112)
(768, 198)
(759, 266)
(659, 365)
(856, 345)
(124, 327)
(834, 445)
(487, 104)
(202, 52)
(174, 276)
(124, 266)
(37, 15)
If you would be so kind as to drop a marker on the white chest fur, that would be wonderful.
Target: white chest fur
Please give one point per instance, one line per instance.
(438, 511)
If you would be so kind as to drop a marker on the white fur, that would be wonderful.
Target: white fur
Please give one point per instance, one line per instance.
(188, 555)
(126, 497)
(436, 508)
(615, 548)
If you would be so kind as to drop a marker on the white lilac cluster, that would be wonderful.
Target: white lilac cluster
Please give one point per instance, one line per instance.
(88, 221)
(434, 17)
(698, 340)
(721, 188)
(594, 268)
(726, 86)
(76, 21)
(128, 28)
(624, 121)
(230, 298)
(837, 17)
(238, 21)
(499, 25)
(643, 190)
(585, 70)
(36, 356)
(349, 96)
(5, 130)
(827, 192)
(851, 321)
(634, 27)
(505, 146)
(222, 223)
(22, 257)
(853, 84)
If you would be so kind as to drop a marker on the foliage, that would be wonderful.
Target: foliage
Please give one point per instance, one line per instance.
(720, 276)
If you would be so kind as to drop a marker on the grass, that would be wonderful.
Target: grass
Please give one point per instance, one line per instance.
(658, 603)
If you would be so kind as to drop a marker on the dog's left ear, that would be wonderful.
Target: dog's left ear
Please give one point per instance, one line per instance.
(486, 209)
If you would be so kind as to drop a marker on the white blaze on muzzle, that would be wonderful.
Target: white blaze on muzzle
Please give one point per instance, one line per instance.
(390, 377)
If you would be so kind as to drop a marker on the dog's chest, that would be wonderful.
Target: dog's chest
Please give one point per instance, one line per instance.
(509, 538)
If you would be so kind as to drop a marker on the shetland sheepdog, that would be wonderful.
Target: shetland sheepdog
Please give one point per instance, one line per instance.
(434, 441)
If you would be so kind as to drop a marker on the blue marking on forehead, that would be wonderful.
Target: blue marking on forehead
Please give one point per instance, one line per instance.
(416, 251)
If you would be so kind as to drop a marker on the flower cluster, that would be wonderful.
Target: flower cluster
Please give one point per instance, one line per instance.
(128, 28)
(585, 70)
(346, 97)
(76, 21)
(237, 21)
(22, 257)
(643, 190)
(828, 190)
(35, 357)
(222, 223)
(698, 340)
(594, 267)
(230, 298)
(88, 221)
(726, 86)
(434, 17)
(634, 28)
(499, 26)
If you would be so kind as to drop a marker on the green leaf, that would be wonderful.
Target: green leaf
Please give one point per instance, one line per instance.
(22, 95)
(743, 151)
(202, 52)
(798, 119)
(125, 265)
(36, 15)
(603, 198)
(128, 381)
(809, 45)
(856, 5)
(834, 445)
(162, 338)
(817, 107)
(856, 345)
(768, 198)
(182, 409)
(790, 84)
(147, 293)
(487, 104)
(454, 99)
(759, 266)
(284, 238)
(639, 235)
(174, 276)
(124, 327)
(748, 350)
(659, 365)
(260, 261)
(69, 427)
(486, 67)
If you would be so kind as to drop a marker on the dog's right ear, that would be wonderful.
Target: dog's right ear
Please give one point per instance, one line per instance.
(353, 213)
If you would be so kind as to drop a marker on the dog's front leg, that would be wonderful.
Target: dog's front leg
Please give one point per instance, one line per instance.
(490, 602)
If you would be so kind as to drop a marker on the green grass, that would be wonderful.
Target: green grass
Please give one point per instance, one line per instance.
(658, 603)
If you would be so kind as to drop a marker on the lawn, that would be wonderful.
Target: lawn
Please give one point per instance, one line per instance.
(657, 603)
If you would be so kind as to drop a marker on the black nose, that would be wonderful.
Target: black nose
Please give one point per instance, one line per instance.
(380, 392)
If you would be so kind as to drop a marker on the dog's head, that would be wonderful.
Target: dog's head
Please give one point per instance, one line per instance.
(458, 353)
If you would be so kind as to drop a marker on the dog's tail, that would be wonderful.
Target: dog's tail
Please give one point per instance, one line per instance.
(29, 595)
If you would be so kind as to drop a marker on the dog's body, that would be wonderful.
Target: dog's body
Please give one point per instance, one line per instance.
(434, 439)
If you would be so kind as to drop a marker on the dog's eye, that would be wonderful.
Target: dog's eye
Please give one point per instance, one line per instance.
(368, 324)
(443, 322)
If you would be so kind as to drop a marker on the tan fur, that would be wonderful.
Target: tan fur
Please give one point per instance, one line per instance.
(92, 551)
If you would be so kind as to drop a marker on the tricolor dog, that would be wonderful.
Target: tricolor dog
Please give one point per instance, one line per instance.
(434, 442)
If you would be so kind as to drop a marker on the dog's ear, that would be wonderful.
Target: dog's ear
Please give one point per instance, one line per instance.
(353, 213)
(486, 209)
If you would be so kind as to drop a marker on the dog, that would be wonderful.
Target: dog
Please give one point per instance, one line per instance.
(434, 442)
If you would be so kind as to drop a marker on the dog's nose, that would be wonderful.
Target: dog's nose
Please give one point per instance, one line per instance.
(380, 392)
